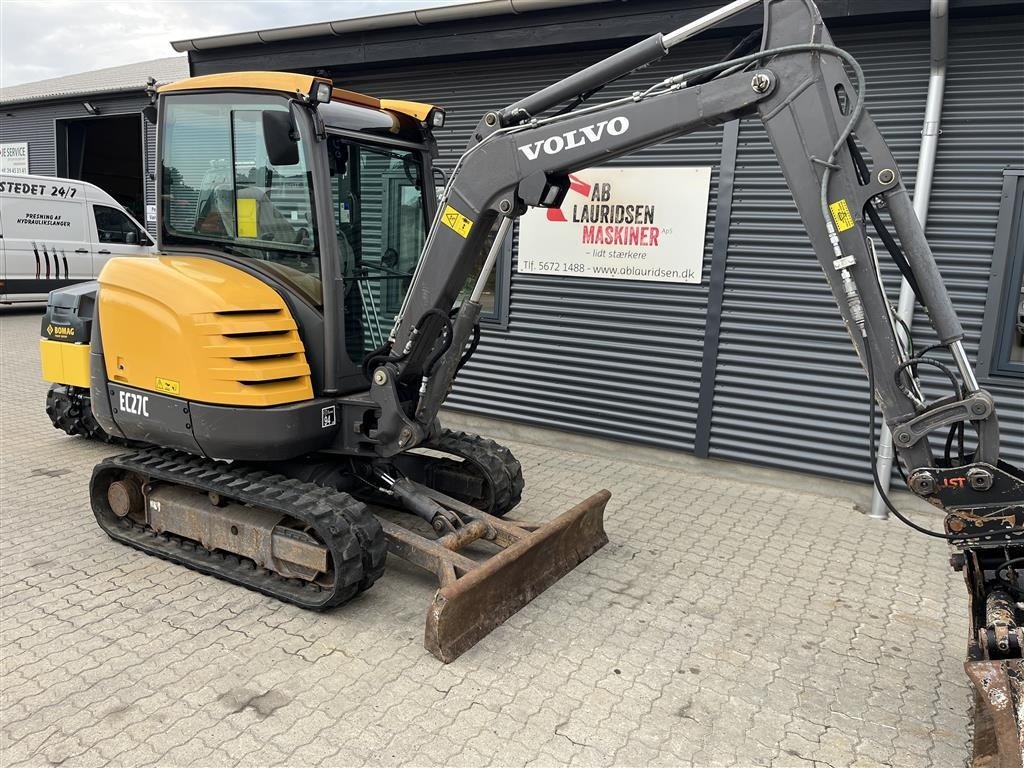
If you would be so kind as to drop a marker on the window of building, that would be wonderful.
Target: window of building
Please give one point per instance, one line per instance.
(1001, 355)
(494, 299)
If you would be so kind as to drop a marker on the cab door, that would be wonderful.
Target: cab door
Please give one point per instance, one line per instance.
(115, 234)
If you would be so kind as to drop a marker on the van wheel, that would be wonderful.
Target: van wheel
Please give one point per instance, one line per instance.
(69, 410)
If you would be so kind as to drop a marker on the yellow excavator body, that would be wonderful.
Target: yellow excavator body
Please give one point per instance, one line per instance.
(200, 330)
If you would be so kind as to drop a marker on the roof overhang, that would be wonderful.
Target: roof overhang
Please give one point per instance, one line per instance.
(92, 93)
(343, 27)
(551, 27)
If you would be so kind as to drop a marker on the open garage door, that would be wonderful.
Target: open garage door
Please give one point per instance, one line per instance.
(105, 151)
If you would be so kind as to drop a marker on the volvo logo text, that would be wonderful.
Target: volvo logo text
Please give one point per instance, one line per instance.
(588, 134)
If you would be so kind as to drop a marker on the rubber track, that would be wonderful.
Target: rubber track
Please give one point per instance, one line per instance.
(497, 463)
(72, 414)
(347, 528)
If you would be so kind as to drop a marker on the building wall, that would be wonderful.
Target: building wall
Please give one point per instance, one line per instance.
(35, 122)
(624, 359)
(628, 360)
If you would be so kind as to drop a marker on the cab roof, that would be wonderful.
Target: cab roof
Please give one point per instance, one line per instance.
(294, 84)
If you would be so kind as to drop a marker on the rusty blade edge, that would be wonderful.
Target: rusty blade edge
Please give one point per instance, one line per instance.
(997, 720)
(467, 610)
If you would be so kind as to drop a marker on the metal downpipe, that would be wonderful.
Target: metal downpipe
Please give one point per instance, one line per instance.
(922, 196)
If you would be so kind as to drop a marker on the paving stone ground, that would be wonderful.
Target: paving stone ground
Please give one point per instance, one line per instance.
(724, 624)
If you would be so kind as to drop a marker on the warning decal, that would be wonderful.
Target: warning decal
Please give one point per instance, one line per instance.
(170, 386)
(456, 221)
(841, 214)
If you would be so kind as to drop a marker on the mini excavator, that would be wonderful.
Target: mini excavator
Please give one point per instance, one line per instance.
(281, 364)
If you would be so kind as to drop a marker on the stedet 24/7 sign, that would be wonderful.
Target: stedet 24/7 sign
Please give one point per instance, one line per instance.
(622, 224)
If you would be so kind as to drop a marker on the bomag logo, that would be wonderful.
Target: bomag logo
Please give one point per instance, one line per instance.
(60, 331)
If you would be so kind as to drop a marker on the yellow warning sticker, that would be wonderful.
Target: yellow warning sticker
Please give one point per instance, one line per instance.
(247, 217)
(452, 218)
(169, 386)
(841, 214)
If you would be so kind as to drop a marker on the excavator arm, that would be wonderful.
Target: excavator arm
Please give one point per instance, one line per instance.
(809, 95)
(798, 85)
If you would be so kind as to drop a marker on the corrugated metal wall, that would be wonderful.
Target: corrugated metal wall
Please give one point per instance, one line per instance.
(35, 123)
(578, 353)
(789, 390)
(982, 133)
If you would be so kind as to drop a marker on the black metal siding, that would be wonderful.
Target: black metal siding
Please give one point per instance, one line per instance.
(618, 359)
(982, 133)
(35, 123)
(789, 390)
(622, 359)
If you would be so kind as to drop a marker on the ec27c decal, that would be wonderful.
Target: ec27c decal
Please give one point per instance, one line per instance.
(129, 402)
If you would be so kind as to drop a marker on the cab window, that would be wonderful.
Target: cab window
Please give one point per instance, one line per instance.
(225, 182)
(380, 225)
(113, 226)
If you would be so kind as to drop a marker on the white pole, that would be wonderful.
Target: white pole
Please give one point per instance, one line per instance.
(922, 195)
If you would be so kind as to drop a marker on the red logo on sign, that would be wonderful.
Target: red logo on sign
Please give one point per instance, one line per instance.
(578, 186)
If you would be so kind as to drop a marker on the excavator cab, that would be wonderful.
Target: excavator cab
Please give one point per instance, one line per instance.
(305, 194)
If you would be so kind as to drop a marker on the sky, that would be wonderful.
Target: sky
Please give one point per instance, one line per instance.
(39, 40)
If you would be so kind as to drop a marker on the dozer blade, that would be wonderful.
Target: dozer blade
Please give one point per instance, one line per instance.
(468, 608)
(476, 596)
(998, 713)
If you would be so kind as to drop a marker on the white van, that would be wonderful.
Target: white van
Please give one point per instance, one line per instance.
(55, 232)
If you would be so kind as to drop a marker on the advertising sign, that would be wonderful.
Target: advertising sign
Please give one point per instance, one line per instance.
(14, 157)
(622, 224)
(42, 210)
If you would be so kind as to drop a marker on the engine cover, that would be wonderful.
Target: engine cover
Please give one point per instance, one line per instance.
(200, 330)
